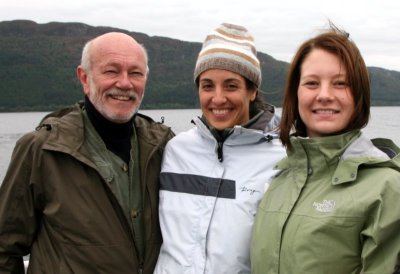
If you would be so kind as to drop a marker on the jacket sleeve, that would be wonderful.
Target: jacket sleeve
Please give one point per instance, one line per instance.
(381, 236)
(17, 211)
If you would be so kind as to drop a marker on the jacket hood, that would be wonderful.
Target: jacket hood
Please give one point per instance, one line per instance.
(64, 130)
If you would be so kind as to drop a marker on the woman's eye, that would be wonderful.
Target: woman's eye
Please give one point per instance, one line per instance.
(341, 84)
(232, 87)
(206, 86)
(311, 84)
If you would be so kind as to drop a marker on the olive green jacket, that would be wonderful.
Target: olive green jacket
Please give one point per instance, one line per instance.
(334, 207)
(55, 205)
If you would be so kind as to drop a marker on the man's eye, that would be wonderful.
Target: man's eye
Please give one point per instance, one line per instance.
(110, 71)
(136, 73)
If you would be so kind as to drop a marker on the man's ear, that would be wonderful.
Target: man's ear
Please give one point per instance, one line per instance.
(84, 79)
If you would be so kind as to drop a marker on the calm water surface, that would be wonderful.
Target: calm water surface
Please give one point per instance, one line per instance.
(385, 122)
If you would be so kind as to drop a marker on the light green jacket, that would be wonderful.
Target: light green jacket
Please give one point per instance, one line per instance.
(334, 207)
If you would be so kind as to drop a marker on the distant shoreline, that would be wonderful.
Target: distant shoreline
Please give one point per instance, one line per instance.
(18, 110)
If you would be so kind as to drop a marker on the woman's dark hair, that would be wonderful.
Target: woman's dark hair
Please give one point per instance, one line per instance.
(259, 102)
(336, 42)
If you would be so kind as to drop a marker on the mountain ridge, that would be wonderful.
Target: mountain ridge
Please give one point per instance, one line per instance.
(38, 68)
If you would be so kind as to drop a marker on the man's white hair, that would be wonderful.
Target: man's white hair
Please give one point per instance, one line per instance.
(86, 58)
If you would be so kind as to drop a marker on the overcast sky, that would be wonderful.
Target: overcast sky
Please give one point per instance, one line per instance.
(279, 26)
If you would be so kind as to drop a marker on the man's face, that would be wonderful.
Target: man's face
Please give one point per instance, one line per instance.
(116, 81)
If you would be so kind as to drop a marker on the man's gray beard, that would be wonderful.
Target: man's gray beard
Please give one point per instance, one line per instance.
(95, 99)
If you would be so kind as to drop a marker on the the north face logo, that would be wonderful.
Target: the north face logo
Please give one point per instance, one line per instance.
(325, 206)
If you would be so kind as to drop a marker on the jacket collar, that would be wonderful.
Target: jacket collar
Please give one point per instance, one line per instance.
(347, 152)
(263, 125)
(65, 132)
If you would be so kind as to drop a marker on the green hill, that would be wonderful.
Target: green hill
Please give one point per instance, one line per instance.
(38, 69)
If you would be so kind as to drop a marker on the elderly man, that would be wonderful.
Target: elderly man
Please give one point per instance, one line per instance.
(81, 192)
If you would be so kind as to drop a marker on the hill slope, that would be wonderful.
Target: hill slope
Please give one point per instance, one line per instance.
(38, 64)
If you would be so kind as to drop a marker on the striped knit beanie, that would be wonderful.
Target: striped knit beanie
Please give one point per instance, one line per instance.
(230, 47)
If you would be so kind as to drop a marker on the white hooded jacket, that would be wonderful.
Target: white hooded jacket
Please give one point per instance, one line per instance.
(207, 206)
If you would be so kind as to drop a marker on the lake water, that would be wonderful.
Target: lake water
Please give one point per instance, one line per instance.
(385, 122)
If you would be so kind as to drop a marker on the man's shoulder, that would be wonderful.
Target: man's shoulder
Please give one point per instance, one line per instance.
(141, 118)
(55, 128)
(69, 113)
(147, 128)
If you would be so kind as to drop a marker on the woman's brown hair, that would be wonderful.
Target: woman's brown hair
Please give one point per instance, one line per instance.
(336, 42)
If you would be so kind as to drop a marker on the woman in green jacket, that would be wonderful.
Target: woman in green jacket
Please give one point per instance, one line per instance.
(334, 206)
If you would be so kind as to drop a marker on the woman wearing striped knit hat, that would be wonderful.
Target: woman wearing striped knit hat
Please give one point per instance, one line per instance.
(214, 175)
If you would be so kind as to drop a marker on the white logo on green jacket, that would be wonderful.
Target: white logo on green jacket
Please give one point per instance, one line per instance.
(325, 206)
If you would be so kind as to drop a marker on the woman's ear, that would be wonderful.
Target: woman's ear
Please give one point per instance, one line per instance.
(253, 95)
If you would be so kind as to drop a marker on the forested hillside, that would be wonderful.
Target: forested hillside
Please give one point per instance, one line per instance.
(38, 69)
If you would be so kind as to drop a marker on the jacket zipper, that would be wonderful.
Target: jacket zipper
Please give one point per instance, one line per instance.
(220, 151)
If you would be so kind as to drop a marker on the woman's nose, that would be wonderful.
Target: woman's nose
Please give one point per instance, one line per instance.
(219, 96)
(325, 93)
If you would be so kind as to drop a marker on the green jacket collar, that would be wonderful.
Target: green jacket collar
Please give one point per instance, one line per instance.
(346, 152)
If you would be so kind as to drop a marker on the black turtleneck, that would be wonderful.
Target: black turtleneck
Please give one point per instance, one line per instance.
(117, 137)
